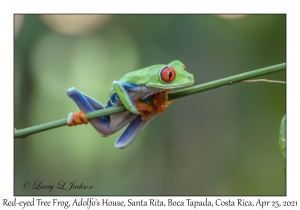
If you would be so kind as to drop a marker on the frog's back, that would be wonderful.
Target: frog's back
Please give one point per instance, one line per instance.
(141, 76)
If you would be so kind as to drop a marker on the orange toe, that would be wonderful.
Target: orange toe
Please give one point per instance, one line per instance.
(168, 91)
(142, 107)
(78, 118)
(159, 105)
(160, 100)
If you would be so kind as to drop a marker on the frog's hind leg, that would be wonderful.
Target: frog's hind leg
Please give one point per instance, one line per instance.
(87, 104)
(132, 130)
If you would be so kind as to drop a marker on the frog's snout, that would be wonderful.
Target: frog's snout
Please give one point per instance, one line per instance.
(191, 78)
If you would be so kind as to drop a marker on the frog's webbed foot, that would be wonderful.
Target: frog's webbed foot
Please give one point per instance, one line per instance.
(160, 100)
(142, 107)
(145, 110)
(77, 118)
(159, 105)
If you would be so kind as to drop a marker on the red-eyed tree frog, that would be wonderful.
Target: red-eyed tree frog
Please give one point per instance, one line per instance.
(153, 81)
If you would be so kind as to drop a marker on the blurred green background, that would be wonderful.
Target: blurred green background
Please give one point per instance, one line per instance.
(220, 142)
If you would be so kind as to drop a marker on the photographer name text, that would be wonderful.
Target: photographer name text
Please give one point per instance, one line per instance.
(61, 185)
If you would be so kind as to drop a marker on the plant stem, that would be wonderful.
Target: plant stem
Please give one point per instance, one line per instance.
(174, 95)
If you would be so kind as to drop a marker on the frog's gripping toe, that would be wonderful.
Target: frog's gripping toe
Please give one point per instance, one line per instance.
(142, 107)
(160, 100)
(77, 118)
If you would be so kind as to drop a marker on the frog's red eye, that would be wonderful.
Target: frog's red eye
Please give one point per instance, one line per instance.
(168, 74)
(184, 67)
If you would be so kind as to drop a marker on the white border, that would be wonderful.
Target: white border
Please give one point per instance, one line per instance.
(154, 6)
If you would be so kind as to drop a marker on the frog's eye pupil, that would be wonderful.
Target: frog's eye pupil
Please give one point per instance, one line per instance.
(170, 75)
(167, 74)
(184, 67)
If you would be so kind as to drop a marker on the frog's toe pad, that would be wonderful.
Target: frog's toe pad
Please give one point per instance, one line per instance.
(77, 118)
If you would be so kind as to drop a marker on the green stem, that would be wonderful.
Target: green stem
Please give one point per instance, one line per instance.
(176, 94)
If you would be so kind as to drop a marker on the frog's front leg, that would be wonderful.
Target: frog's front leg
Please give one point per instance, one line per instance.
(104, 125)
(122, 89)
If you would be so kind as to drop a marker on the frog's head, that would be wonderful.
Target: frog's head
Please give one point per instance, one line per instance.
(173, 75)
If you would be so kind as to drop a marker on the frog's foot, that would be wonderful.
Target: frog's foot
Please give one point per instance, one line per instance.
(159, 105)
(160, 100)
(142, 107)
(77, 118)
(145, 110)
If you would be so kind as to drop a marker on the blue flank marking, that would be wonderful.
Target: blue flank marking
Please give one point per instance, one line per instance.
(112, 100)
(115, 98)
